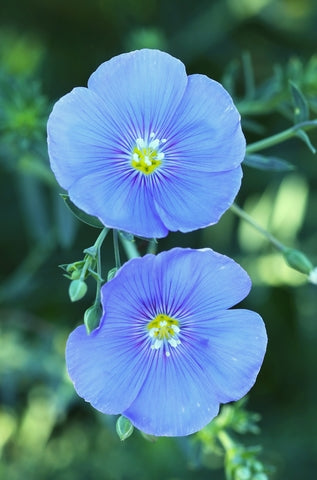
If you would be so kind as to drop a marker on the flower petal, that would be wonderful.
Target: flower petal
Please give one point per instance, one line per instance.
(186, 201)
(105, 367)
(205, 130)
(175, 400)
(199, 281)
(231, 348)
(81, 140)
(121, 201)
(145, 86)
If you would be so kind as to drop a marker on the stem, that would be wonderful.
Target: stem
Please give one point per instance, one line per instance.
(225, 440)
(280, 137)
(152, 247)
(89, 257)
(116, 249)
(98, 244)
(130, 248)
(245, 216)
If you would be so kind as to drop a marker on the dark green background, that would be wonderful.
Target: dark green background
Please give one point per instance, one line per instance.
(46, 432)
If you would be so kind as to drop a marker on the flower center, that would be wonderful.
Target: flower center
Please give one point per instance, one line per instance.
(146, 155)
(164, 330)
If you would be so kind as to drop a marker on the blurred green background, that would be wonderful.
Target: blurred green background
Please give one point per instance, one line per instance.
(47, 48)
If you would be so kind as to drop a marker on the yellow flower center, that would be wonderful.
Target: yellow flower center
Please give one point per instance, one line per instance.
(146, 156)
(164, 330)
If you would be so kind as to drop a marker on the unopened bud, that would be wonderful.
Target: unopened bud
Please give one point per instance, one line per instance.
(124, 428)
(92, 317)
(312, 277)
(111, 273)
(298, 260)
(77, 290)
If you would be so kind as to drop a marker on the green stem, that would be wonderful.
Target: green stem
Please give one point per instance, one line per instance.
(281, 137)
(225, 440)
(129, 247)
(116, 249)
(98, 244)
(152, 247)
(245, 216)
(96, 248)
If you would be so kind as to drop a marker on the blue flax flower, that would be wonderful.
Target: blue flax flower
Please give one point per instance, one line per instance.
(168, 351)
(146, 148)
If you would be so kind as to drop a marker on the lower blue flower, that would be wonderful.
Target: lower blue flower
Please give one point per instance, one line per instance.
(168, 350)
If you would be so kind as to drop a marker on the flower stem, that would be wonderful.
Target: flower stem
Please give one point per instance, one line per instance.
(225, 440)
(281, 137)
(245, 216)
(129, 247)
(116, 249)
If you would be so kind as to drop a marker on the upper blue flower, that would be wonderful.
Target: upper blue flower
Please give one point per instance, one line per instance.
(168, 351)
(146, 148)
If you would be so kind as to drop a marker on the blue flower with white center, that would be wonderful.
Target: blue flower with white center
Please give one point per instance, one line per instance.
(146, 148)
(168, 349)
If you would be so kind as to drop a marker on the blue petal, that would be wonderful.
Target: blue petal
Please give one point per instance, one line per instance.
(123, 201)
(188, 200)
(231, 347)
(145, 87)
(199, 281)
(105, 366)
(175, 399)
(205, 133)
(82, 140)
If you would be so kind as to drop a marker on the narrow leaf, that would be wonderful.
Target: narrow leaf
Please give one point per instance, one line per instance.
(303, 136)
(301, 110)
(261, 162)
(82, 216)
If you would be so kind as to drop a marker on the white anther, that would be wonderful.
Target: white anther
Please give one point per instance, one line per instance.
(135, 157)
(154, 144)
(147, 161)
(160, 156)
(157, 344)
(163, 323)
(164, 140)
(152, 135)
(175, 328)
(140, 143)
(167, 354)
(173, 342)
(153, 331)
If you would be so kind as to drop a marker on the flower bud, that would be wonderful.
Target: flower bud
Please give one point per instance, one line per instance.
(92, 317)
(297, 260)
(124, 428)
(111, 273)
(77, 290)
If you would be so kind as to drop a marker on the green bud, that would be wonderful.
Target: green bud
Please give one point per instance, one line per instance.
(242, 473)
(77, 290)
(92, 317)
(260, 476)
(111, 273)
(297, 260)
(124, 428)
(312, 277)
(75, 274)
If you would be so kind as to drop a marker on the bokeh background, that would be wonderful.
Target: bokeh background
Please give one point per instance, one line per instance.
(47, 48)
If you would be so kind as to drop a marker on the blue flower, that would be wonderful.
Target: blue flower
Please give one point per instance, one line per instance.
(146, 148)
(168, 351)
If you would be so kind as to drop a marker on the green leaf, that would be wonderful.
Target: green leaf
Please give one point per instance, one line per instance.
(303, 136)
(301, 110)
(82, 216)
(261, 162)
